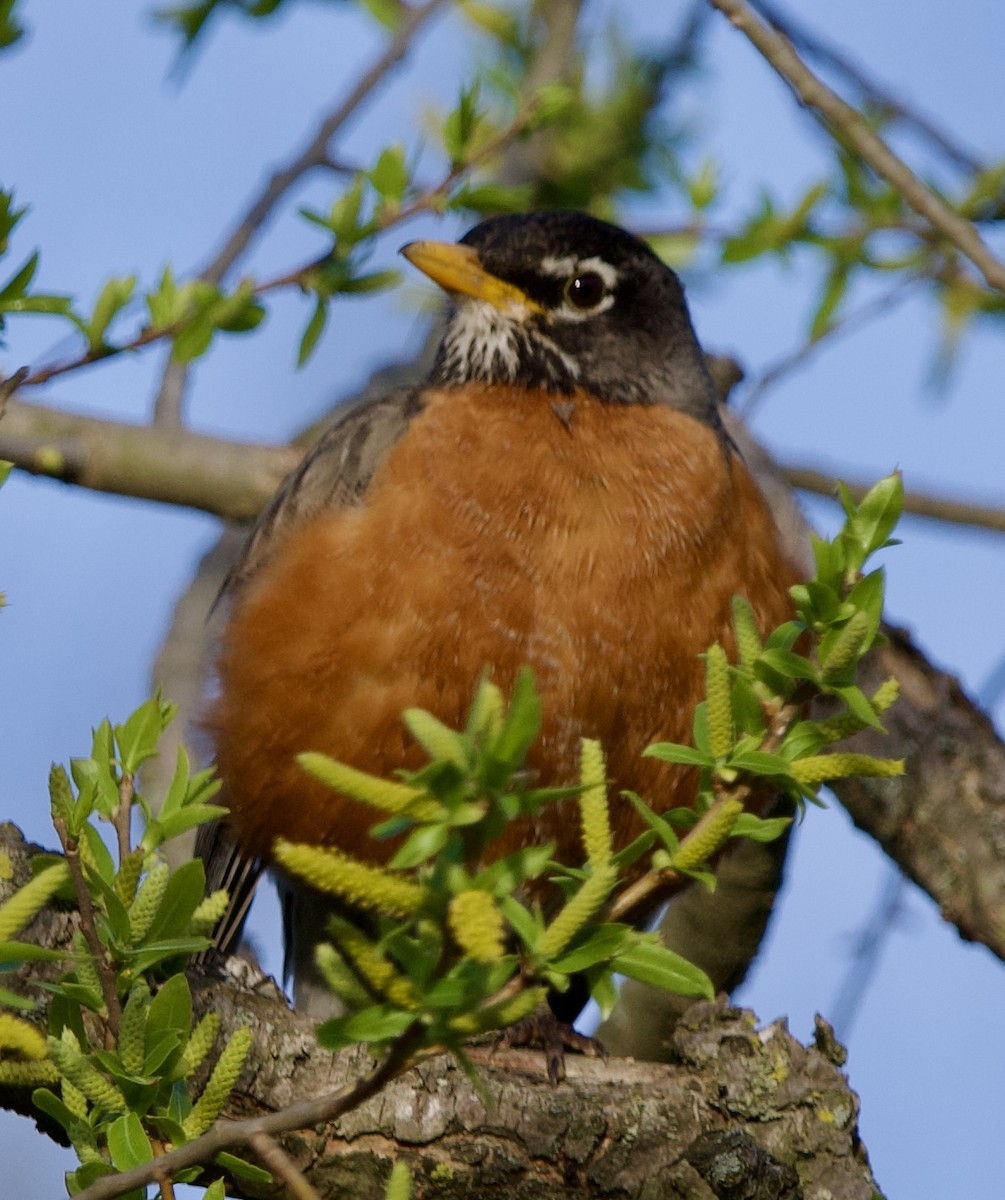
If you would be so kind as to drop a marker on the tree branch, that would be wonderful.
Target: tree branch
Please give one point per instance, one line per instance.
(619, 1129)
(850, 126)
(815, 47)
(173, 466)
(920, 504)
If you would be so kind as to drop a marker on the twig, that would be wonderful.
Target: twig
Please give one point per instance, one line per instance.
(276, 1160)
(317, 153)
(122, 818)
(919, 504)
(229, 1135)
(791, 360)
(816, 47)
(851, 126)
(88, 925)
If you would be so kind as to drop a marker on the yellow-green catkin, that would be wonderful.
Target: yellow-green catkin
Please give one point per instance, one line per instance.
(60, 792)
(19, 1074)
(132, 1028)
(379, 973)
(720, 705)
(128, 877)
(477, 925)
(148, 901)
(591, 895)
(220, 1084)
(386, 795)
(748, 640)
(337, 874)
(847, 647)
(200, 1043)
(885, 695)
(65, 1052)
(85, 968)
(19, 1037)
(73, 1098)
(209, 911)
(708, 836)
(31, 899)
(594, 812)
(819, 768)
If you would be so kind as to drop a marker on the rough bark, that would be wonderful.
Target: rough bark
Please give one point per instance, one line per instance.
(742, 1112)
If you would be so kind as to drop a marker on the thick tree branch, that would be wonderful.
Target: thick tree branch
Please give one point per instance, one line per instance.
(851, 127)
(228, 479)
(943, 823)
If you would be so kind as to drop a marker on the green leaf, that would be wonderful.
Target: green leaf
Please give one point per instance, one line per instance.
(419, 846)
(877, 514)
(757, 762)
(521, 724)
(182, 896)
(487, 198)
(171, 1008)
(858, 702)
(390, 176)
(651, 963)
(460, 125)
(312, 333)
(592, 946)
(114, 296)
(787, 664)
(674, 752)
(833, 293)
(137, 736)
(760, 829)
(379, 1023)
(241, 1168)
(128, 1144)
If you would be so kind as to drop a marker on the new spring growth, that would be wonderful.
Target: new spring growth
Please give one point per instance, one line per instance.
(476, 925)
(31, 1067)
(847, 648)
(814, 770)
(708, 836)
(220, 1084)
(748, 640)
(379, 974)
(844, 725)
(594, 813)
(199, 1044)
(29, 900)
(371, 888)
(133, 1027)
(499, 1016)
(385, 795)
(592, 894)
(720, 705)
(148, 901)
(102, 1093)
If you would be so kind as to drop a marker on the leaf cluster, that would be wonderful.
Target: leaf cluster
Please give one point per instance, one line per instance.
(460, 940)
(123, 1045)
(751, 732)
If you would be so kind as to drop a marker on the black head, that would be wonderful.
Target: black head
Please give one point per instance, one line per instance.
(560, 300)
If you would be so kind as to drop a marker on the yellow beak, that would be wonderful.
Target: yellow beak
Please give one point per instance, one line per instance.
(457, 269)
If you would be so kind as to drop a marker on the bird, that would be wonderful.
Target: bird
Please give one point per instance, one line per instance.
(560, 493)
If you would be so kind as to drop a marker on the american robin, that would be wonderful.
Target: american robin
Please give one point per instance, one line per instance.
(560, 493)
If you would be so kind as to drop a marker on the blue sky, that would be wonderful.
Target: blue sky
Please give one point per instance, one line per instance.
(125, 167)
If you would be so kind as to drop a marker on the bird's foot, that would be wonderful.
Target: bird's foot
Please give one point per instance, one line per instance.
(542, 1028)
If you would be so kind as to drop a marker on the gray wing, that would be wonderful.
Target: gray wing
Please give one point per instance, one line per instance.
(334, 474)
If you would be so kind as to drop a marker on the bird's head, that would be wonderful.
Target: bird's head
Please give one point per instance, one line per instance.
(560, 301)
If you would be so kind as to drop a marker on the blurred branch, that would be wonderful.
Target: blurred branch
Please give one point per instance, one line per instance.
(919, 504)
(942, 822)
(851, 127)
(317, 153)
(807, 350)
(173, 466)
(815, 47)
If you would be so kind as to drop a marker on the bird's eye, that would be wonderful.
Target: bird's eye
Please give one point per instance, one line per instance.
(586, 290)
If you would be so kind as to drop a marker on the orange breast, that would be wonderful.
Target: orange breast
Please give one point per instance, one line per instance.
(602, 551)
